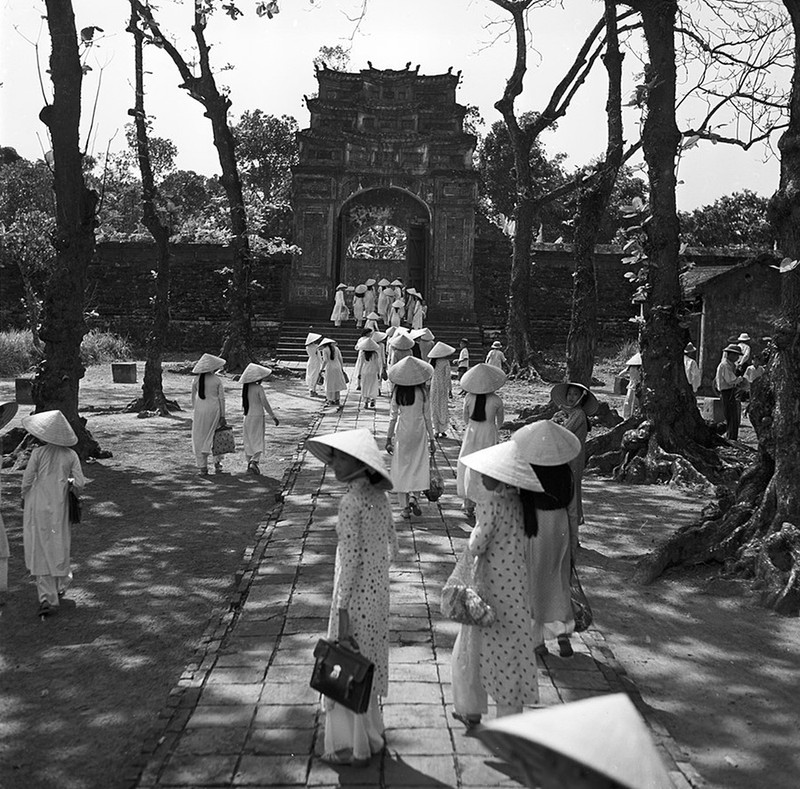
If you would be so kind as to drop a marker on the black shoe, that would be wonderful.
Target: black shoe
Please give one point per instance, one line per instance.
(45, 609)
(565, 647)
(414, 504)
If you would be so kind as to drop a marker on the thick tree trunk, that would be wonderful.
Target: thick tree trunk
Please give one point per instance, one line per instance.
(593, 202)
(520, 349)
(153, 398)
(63, 326)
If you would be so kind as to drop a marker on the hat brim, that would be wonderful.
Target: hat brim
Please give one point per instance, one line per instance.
(589, 403)
(410, 371)
(358, 443)
(545, 443)
(7, 412)
(441, 351)
(42, 432)
(503, 462)
(483, 379)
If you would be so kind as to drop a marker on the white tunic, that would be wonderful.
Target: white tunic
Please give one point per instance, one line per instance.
(441, 388)
(359, 308)
(369, 301)
(207, 412)
(477, 435)
(334, 371)
(369, 371)
(253, 425)
(385, 300)
(313, 366)
(692, 372)
(496, 358)
(45, 522)
(420, 310)
(340, 311)
(410, 425)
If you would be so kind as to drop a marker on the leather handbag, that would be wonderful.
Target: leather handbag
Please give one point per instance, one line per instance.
(223, 441)
(342, 675)
(74, 504)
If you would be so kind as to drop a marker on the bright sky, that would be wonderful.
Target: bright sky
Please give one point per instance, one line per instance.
(272, 70)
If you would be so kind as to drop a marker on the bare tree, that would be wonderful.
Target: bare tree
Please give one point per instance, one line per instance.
(153, 398)
(58, 375)
(202, 87)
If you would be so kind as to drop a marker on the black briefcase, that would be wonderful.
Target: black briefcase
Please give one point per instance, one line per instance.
(342, 675)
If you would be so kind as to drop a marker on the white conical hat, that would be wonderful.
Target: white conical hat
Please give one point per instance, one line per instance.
(689, 348)
(379, 336)
(398, 303)
(410, 371)
(373, 316)
(384, 282)
(52, 427)
(544, 443)
(422, 334)
(605, 736)
(411, 291)
(360, 289)
(634, 361)
(254, 372)
(359, 443)
(504, 462)
(440, 350)
(312, 337)
(401, 341)
(327, 341)
(7, 412)
(367, 344)
(558, 394)
(482, 379)
(370, 282)
(397, 282)
(208, 363)
(341, 286)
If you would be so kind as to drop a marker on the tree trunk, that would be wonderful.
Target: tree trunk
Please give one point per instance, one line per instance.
(520, 349)
(153, 398)
(63, 326)
(593, 202)
(667, 399)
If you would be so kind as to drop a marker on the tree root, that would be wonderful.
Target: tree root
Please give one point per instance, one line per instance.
(152, 407)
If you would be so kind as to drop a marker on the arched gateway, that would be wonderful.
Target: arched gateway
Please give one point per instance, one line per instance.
(385, 187)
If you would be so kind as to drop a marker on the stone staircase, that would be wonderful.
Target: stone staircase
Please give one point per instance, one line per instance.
(291, 347)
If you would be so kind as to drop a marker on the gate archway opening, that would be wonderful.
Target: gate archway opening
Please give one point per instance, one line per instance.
(383, 232)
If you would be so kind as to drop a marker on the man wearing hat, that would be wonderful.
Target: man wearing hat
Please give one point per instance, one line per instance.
(691, 367)
(726, 380)
(46, 533)
(743, 341)
(496, 357)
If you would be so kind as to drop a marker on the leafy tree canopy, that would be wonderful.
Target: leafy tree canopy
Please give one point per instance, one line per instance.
(738, 219)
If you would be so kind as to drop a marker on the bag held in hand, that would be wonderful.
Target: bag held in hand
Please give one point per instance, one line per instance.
(581, 610)
(223, 441)
(342, 675)
(74, 504)
(434, 492)
(461, 597)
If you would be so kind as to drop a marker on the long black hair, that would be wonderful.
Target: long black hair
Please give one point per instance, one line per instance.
(405, 395)
(331, 347)
(201, 386)
(245, 400)
(558, 488)
(479, 410)
(416, 351)
(368, 355)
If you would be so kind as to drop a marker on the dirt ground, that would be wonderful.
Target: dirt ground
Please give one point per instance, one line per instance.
(159, 547)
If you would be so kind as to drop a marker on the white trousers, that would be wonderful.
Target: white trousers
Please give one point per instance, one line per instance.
(48, 587)
(346, 731)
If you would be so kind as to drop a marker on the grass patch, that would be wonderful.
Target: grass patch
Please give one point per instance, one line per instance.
(19, 356)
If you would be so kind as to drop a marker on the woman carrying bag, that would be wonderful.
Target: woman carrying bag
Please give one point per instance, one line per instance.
(549, 448)
(254, 404)
(359, 615)
(506, 664)
(208, 402)
(483, 414)
(409, 437)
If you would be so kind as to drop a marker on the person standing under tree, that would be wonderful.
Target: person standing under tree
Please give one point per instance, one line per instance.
(359, 613)
(46, 534)
(691, 367)
(726, 380)
(208, 402)
(254, 404)
(496, 357)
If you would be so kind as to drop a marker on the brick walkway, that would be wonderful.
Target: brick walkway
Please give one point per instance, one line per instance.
(244, 715)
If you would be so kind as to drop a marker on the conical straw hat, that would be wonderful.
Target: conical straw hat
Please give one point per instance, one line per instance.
(634, 361)
(504, 462)
(7, 412)
(208, 363)
(367, 344)
(689, 348)
(482, 379)
(312, 337)
(359, 443)
(254, 372)
(384, 282)
(373, 316)
(369, 282)
(558, 394)
(341, 286)
(396, 282)
(410, 371)
(440, 350)
(398, 303)
(604, 737)
(327, 341)
(401, 341)
(52, 427)
(422, 334)
(361, 289)
(378, 336)
(544, 443)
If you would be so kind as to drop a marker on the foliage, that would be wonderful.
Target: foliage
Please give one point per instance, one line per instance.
(24, 186)
(738, 219)
(17, 353)
(378, 242)
(497, 177)
(335, 58)
(100, 346)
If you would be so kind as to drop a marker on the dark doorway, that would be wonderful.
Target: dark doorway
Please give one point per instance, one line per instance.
(416, 254)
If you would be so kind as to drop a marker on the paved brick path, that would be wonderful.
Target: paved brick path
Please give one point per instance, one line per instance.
(244, 715)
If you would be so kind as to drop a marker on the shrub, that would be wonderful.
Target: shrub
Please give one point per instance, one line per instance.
(18, 355)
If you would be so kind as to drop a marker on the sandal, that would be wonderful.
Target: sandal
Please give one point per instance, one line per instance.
(564, 646)
(406, 514)
(415, 506)
(470, 721)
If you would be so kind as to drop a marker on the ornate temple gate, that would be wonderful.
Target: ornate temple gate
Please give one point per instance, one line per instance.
(385, 159)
